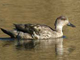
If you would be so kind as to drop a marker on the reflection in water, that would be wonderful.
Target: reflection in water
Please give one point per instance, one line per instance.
(43, 48)
(57, 44)
(43, 44)
(27, 44)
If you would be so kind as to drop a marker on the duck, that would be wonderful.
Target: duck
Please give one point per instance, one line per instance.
(39, 31)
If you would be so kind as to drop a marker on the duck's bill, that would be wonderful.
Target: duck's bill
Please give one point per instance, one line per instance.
(69, 24)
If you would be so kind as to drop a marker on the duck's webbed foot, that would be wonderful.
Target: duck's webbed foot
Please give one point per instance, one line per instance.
(63, 36)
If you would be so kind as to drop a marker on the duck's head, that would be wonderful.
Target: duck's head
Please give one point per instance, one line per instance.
(62, 21)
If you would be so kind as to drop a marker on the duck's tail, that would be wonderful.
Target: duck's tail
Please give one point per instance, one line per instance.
(7, 32)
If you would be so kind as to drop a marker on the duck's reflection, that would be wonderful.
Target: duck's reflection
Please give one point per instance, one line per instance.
(27, 44)
(56, 43)
(59, 46)
(47, 45)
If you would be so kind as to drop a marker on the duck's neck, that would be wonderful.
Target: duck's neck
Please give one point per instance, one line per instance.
(59, 29)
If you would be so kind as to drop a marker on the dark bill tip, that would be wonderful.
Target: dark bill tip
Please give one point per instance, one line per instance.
(69, 24)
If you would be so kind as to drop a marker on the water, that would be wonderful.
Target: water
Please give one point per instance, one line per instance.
(43, 12)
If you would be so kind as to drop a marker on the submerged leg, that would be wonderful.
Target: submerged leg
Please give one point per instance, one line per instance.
(63, 36)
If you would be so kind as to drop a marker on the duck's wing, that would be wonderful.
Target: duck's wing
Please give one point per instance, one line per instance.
(27, 28)
(30, 28)
(23, 27)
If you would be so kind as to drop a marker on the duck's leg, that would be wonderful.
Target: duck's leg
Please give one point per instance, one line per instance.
(63, 36)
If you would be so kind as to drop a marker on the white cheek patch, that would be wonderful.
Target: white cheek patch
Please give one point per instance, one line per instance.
(66, 22)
